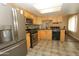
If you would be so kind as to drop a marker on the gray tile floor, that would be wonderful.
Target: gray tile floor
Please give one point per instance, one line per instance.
(54, 48)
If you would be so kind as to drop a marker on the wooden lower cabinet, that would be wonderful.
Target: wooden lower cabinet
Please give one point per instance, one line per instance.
(41, 34)
(28, 40)
(45, 34)
(62, 35)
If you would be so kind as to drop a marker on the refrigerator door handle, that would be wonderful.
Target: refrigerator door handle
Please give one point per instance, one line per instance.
(15, 22)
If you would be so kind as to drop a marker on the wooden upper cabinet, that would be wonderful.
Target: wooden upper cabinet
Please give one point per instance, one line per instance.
(57, 19)
(39, 19)
(60, 19)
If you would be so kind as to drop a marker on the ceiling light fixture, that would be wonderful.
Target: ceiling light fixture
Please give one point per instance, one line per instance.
(55, 9)
(45, 6)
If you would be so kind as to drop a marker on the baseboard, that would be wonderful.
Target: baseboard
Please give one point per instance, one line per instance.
(73, 36)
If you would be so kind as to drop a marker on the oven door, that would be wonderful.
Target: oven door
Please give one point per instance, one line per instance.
(34, 39)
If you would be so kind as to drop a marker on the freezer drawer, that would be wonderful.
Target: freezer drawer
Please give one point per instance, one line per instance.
(18, 49)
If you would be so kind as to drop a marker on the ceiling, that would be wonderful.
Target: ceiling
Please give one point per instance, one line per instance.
(66, 8)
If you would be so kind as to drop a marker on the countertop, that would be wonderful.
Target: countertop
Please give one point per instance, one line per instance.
(29, 30)
(42, 29)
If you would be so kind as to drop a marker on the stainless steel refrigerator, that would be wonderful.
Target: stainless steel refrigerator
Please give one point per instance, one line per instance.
(12, 32)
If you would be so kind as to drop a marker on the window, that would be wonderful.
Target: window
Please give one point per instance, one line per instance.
(72, 24)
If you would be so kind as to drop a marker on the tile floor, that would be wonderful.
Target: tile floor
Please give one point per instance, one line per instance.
(54, 48)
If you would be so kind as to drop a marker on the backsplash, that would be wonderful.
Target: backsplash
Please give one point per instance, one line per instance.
(32, 26)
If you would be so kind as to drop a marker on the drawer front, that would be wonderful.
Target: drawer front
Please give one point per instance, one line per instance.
(15, 50)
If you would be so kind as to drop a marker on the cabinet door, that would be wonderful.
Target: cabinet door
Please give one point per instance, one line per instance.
(45, 34)
(38, 35)
(28, 40)
(49, 34)
(41, 34)
(62, 35)
(18, 49)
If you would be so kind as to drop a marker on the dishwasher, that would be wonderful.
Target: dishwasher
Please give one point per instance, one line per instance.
(55, 33)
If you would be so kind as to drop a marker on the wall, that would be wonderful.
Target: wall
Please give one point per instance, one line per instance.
(75, 34)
